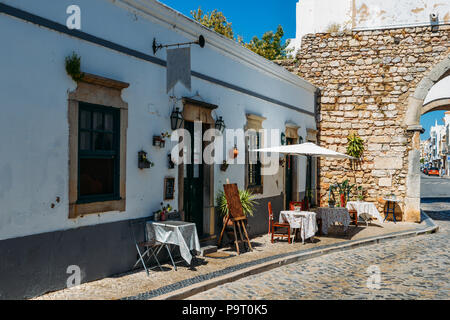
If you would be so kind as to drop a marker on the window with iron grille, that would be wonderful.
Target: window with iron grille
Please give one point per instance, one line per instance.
(254, 163)
(98, 153)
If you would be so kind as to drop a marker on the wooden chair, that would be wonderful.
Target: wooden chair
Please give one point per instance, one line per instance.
(274, 225)
(353, 216)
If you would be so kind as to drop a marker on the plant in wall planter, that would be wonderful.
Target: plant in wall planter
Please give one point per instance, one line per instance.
(160, 141)
(143, 161)
(355, 146)
(248, 203)
(73, 67)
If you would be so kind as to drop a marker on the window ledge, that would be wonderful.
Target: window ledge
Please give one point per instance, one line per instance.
(104, 82)
(80, 209)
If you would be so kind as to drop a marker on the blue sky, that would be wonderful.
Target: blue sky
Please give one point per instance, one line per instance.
(428, 120)
(248, 17)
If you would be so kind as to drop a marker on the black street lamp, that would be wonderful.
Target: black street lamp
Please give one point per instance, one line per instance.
(220, 124)
(176, 119)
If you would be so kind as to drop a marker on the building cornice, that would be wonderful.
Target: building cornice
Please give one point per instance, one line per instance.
(168, 17)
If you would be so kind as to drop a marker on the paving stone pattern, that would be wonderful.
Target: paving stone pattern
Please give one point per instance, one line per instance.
(411, 268)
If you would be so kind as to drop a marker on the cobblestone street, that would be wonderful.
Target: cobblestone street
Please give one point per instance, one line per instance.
(411, 268)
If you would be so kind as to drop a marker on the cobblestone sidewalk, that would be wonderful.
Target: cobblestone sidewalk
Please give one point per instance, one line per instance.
(412, 268)
(137, 285)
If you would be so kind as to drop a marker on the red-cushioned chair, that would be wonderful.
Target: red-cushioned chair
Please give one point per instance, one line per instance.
(273, 225)
(294, 204)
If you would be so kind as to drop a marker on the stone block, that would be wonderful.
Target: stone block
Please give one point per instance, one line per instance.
(388, 163)
(385, 182)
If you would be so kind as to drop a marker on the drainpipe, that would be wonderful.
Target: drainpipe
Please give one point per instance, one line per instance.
(317, 117)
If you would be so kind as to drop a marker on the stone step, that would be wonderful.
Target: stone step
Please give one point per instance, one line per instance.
(207, 249)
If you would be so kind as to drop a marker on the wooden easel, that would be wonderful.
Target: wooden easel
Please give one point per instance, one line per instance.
(236, 215)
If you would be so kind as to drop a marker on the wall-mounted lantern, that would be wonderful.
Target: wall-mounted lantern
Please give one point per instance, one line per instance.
(171, 163)
(235, 152)
(220, 124)
(283, 139)
(176, 119)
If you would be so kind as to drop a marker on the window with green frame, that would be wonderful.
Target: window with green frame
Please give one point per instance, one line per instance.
(254, 163)
(98, 153)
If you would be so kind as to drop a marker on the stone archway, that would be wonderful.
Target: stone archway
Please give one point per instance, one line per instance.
(373, 83)
(412, 121)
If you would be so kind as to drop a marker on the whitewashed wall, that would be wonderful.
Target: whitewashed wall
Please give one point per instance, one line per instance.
(315, 16)
(33, 98)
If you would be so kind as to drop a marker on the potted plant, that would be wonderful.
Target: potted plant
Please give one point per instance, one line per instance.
(355, 146)
(331, 198)
(163, 212)
(360, 195)
(248, 203)
(344, 191)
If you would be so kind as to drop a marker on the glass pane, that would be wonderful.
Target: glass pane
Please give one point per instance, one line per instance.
(196, 171)
(96, 176)
(108, 141)
(85, 141)
(98, 141)
(98, 121)
(85, 119)
(108, 122)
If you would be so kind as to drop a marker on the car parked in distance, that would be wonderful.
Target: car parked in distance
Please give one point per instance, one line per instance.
(433, 171)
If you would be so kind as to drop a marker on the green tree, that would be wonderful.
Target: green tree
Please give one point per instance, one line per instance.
(214, 20)
(270, 46)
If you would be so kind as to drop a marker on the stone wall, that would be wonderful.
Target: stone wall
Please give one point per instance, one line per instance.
(367, 79)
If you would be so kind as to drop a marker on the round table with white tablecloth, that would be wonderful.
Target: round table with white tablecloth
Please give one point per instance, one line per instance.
(329, 216)
(365, 210)
(303, 220)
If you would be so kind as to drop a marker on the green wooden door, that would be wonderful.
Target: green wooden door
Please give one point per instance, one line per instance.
(193, 185)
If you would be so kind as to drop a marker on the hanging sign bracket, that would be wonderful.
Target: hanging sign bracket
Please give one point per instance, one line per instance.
(156, 46)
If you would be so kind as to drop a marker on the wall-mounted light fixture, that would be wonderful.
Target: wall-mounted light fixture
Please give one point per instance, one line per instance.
(176, 119)
(201, 42)
(283, 139)
(220, 124)
(235, 152)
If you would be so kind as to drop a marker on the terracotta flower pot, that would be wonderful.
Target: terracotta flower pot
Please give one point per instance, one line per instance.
(343, 200)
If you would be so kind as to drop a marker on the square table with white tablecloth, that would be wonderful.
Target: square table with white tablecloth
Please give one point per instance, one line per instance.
(179, 233)
(365, 210)
(329, 216)
(304, 220)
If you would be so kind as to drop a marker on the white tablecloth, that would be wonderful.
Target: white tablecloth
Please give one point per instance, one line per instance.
(330, 216)
(304, 220)
(180, 233)
(365, 209)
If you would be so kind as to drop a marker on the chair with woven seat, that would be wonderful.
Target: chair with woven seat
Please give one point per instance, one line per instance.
(274, 225)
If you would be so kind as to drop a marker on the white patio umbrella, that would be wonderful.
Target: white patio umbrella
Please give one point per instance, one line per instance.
(305, 149)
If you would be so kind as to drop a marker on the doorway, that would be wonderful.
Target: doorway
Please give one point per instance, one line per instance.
(193, 182)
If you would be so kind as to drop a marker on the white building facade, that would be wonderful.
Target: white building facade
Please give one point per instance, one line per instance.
(53, 210)
(315, 16)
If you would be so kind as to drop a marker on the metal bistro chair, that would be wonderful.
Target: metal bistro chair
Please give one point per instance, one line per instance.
(390, 209)
(147, 248)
